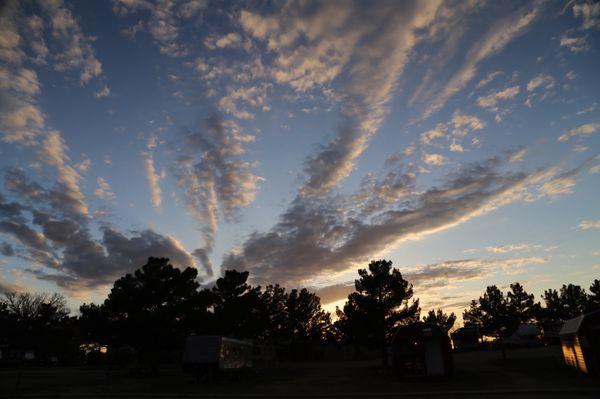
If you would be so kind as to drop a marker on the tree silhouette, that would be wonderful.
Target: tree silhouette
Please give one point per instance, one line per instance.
(522, 307)
(444, 321)
(594, 297)
(237, 307)
(499, 315)
(473, 316)
(274, 306)
(496, 316)
(571, 301)
(378, 305)
(38, 322)
(153, 309)
(306, 320)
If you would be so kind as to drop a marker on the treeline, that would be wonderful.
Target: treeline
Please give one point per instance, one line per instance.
(498, 314)
(152, 310)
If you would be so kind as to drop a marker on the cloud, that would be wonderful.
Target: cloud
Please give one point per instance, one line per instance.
(22, 122)
(8, 287)
(590, 12)
(493, 41)
(575, 44)
(163, 24)
(103, 92)
(456, 147)
(582, 130)
(542, 80)
(65, 248)
(153, 179)
(445, 273)
(501, 249)
(53, 153)
(214, 178)
(333, 293)
(83, 166)
(320, 237)
(589, 224)
(518, 156)
(75, 51)
(460, 120)
(254, 96)
(366, 47)
(6, 249)
(437, 275)
(434, 159)
(488, 79)
(490, 102)
(427, 137)
(104, 190)
(227, 41)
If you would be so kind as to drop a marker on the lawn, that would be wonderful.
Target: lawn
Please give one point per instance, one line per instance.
(524, 370)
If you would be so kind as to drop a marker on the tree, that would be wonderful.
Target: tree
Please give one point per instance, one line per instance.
(306, 320)
(499, 315)
(38, 322)
(444, 321)
(381, 302)
(238, 308)
(153, 309)
(522, 307)
(274, 305)
(496, 316)
(571, 301)
(473, 317)
(594, 297)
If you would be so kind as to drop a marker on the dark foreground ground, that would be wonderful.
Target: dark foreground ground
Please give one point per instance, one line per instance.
(528, 373)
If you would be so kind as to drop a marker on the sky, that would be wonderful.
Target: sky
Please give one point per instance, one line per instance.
(299, 141)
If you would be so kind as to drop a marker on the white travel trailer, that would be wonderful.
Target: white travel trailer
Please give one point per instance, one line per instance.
(210, 354)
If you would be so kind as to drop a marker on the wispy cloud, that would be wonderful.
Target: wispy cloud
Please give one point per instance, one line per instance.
(575, 44)
(218, 179)
(104, 190)
(368, 47)
(315, 238)
(164, 22)
(582, 130)
(103, 92)
(443, 274)
(589, 224)
(153, 179)
(490, 102)
(497, 37)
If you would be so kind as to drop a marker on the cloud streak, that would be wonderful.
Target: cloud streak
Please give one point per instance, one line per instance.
(317, 238)
(499, 35)
(366, 47)
(214, 178)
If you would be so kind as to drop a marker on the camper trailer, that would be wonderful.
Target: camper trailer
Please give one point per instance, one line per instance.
(466, 338)
(208, 354)
(421, 349)
(580, 342)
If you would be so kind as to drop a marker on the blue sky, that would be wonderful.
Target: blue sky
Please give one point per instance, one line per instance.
(299, 140)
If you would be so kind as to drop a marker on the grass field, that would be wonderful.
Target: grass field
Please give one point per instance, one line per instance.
(538, 369)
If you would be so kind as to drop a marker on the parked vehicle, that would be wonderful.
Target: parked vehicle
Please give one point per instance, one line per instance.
(207, 356)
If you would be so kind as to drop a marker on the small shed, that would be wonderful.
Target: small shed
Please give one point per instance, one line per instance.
(527, 334)
(421, 349)
(210, 353)
(580, 342)
(466, 338)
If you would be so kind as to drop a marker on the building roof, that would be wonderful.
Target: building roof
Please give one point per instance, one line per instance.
(573, 325)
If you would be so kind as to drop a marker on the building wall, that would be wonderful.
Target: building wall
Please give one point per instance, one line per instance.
(572, 353)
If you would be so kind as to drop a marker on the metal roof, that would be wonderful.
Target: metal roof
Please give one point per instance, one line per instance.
(572, 326)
